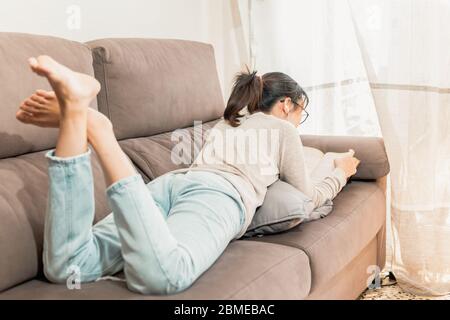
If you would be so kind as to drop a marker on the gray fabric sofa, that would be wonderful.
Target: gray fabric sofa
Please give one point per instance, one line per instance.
(149, 89)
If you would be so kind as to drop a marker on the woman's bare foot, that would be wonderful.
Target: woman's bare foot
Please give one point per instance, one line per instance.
(42, 109)
(73, 90)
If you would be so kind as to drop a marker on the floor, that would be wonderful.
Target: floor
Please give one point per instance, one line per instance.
(390, 290)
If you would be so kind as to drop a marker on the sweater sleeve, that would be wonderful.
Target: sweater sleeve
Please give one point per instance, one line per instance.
(293, 170)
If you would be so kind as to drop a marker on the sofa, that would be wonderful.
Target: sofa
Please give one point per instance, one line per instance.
(150, 89)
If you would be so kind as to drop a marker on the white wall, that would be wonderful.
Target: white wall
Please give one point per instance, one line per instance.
(211, 21)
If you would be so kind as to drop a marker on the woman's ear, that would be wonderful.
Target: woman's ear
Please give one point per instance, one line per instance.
(286, 108)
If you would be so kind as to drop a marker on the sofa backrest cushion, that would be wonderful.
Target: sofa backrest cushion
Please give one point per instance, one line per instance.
(18, 82)
(159, 154)
(152, 86)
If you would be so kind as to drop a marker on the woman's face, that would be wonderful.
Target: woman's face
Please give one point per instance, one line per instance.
(290, 111)
(295, 116)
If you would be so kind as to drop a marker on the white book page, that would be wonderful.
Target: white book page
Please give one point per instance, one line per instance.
(313, 157)
(321, 165)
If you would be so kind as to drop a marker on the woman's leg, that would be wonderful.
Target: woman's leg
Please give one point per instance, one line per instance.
(115, 163)
(167, 256)
(70, 243)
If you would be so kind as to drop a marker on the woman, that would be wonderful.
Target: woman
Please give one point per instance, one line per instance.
(167, 233)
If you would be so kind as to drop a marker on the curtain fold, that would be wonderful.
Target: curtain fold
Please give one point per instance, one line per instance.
(378, 68)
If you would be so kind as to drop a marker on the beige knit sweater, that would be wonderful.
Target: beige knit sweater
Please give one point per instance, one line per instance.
(256, 154)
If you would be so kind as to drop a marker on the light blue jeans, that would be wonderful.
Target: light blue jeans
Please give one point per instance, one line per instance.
(164, 235)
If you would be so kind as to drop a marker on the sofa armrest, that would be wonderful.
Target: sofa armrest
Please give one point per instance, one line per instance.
(370, 150)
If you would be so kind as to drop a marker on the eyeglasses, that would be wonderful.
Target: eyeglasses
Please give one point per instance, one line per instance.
(305, 113)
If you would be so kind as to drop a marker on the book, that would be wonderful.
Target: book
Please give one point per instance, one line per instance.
(321, 165)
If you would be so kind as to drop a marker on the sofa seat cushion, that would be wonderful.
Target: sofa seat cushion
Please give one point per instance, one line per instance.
(332, 242)
(243, 271)
(159, 154)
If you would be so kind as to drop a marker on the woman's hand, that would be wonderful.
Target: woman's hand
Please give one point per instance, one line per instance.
(348, 163)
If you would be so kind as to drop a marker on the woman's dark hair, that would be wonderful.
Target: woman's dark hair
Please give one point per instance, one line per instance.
(260, 93)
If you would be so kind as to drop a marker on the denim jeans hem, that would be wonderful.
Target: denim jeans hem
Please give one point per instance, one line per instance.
(50, 155)
(118, 185)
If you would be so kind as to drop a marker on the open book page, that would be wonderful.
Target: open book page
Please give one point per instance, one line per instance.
(313, 157)
(321, 165)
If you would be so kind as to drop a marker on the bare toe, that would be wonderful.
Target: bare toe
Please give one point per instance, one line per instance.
(44, 65)
(23, 116)
(31, 106)
(46, 94)
(37, 68)
(39, 100)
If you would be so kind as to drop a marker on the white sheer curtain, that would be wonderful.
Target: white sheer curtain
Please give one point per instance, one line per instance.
(377, 68)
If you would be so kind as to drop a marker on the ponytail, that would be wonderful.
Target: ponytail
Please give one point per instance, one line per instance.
(247, 92)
